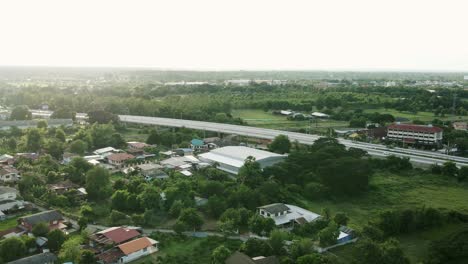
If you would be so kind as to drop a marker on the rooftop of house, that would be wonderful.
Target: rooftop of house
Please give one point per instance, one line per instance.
(197, 142)
(179, 161)
(116, 235)
(137, 244)
(135, 144)
(104, 150)
(149, 166)
(47, 216)
(6, 189)
(211, 140)
(274, 208)
(62, 185)
(9, 204)
(415, 128)
(5, 157)
(46, 257)
(110, 256)
(7, 170)
(241, 258)
(120, 157)
(295, 213)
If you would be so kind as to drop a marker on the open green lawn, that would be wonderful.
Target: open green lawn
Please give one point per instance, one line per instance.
(393, 191)
(260, 118)
(7, 224)
(422, 116)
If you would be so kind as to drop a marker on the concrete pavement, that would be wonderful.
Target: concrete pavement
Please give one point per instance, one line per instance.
(416, 156)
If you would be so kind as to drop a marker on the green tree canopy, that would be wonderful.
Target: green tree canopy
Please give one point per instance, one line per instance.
(98, 184)
(280, 144)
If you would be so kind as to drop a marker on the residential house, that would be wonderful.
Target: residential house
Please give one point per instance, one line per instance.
(213, 142)
(29, 156)
(67, 186)
(8, 206)
(346, 234)
(7, 193)
(129, 251)
(152, 171)
(42, 258)
(460, 125)
(62, 187)
(180, 163)
(6, 159)
(104, 152)
(119, 159)
(137, 248)
(241, 258)
(67, 157)
(183, 152)
(113, 236)
(286, 215)
(137, 145)
(207, 143)
(9, 174)
(198, 144)
(53, 218)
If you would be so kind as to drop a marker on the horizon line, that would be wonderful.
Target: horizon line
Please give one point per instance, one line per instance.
(208, 69)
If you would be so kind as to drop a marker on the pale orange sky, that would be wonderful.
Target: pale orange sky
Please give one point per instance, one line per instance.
(238, 34)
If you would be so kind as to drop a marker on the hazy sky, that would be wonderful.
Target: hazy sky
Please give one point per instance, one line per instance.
(237, 34)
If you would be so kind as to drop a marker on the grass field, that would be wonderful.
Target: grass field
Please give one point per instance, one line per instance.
(422, 116)
(7, 224)
(260, 118)
(389, 191)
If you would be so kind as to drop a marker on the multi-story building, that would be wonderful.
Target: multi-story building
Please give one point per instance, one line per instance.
(415, 134)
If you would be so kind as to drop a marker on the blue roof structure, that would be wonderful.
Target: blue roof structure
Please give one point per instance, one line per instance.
(197, 142)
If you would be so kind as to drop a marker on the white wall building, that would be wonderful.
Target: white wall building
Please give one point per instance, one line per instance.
(414, 133)
(231, 158)
(137, 248)
(9, 174)
(287, 215)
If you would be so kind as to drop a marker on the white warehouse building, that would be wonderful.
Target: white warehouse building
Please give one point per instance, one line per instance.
(230, 159)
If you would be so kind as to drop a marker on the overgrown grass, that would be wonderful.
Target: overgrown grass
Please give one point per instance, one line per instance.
(391, 191)
(134, 134)
(416, 245)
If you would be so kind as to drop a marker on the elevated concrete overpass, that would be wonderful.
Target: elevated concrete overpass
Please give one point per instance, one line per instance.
(416, 156)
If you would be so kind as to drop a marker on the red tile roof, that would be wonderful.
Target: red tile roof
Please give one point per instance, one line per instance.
(120, 234)
(415, 128)
(135, 245)
(120, 157)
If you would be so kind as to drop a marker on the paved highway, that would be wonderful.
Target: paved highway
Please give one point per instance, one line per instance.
(416, 156)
